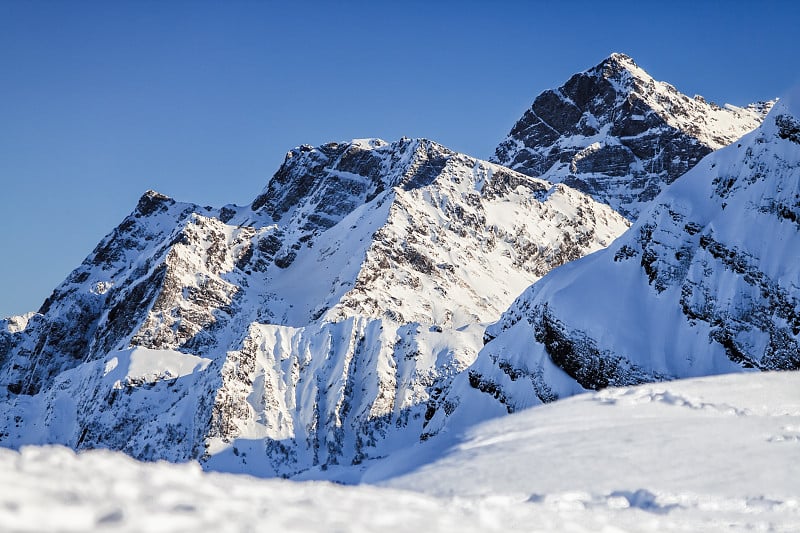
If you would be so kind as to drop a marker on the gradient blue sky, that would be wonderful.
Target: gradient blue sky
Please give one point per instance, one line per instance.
(100, 101)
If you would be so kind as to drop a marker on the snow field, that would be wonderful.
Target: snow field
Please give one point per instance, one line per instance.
(708, 454)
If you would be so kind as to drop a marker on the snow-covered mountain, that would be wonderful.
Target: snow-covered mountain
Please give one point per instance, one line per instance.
(710, 454)
(619, 135)
(707, 281)
(318, 326)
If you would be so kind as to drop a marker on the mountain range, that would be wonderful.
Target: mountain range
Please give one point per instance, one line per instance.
(319, 323)
(379, 295)
(693, 288)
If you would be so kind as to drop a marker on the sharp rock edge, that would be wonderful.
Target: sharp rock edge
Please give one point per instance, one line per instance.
(620, 136)
(317, 328)
(707, 281)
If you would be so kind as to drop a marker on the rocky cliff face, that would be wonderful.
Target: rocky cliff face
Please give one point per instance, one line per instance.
(320, 326)
(707, 281)
(620, 136)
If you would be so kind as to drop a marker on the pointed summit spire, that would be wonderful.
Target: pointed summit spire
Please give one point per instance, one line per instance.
(617, 63)
(619, 135)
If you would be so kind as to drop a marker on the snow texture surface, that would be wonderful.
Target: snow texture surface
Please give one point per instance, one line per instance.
(711, 454)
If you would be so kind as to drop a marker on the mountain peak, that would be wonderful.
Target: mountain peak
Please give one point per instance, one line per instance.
(318, 326)
(707, 291)
(619, 57)
(623, 70)
(152, 201)
(619, 135)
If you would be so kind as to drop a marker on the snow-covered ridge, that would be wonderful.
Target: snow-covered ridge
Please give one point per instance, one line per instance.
(15, 324)
(316, 327)
(707, 281)
(712, 125)
(619, 135)
(144, 365)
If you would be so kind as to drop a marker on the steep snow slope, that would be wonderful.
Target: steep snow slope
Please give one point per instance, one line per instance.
(708, 454)
(707, 281)
(619, 135)
(319, 325)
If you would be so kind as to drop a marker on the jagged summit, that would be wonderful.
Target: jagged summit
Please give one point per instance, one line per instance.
(150, 201)
(619, 57)
(617, 134)
(362, 169)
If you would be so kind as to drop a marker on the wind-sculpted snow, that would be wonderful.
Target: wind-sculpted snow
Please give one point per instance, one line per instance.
(617, 134)
(330, 316)
(707, 281)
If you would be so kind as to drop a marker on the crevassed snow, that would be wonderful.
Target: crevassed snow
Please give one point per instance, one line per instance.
(707, 454)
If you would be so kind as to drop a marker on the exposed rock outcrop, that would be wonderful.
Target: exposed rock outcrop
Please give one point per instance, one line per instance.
(325, 321)
(707, 281)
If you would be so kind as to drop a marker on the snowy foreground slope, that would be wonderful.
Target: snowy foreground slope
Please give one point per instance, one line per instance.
(707, 454)
(619, 135)
(316, 327)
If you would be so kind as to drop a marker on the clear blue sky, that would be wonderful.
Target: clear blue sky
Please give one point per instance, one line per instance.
(100, 101)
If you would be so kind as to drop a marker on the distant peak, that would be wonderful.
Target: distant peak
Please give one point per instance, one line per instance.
(364, 144)
(369, 143)
(382, 165)
(151, 194)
